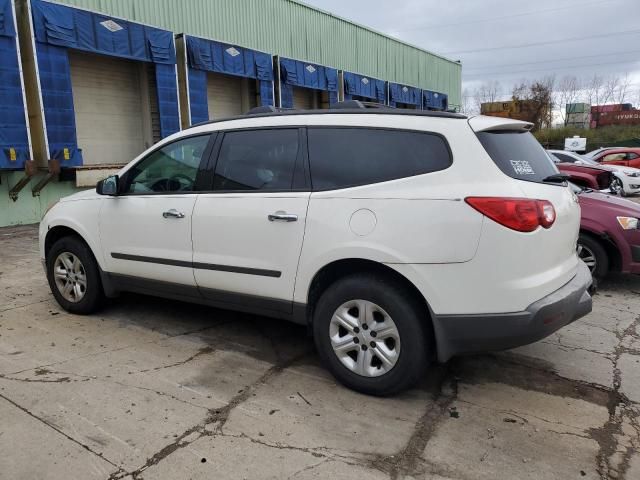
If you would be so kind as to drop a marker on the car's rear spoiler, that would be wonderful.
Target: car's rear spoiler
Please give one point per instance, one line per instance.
(483, 123)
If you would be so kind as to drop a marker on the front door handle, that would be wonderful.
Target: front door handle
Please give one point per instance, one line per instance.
(281, 216)
(173, 213)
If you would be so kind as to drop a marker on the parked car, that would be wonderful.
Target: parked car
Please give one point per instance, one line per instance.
(597, 151)
(626, 180)
(609, 233)
(626, 157)
(398, 237)
(594, 177)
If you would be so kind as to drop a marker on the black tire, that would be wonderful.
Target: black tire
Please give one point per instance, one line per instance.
(594, 246)
(616, 187)
(93, 297)
(408, 315)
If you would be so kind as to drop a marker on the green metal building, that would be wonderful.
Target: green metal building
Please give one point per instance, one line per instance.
(287, 29)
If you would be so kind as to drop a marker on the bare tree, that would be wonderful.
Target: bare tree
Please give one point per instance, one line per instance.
(486, 93)
(467, 105)
(593, 89)
(568, 91)
(624, 83)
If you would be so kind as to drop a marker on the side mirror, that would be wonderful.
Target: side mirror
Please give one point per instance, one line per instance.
(580, 162)
(109, 186)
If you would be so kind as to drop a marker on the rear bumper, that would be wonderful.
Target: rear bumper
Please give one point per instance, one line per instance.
(459, 334)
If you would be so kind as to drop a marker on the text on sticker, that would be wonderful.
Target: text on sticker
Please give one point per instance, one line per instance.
(522, 167)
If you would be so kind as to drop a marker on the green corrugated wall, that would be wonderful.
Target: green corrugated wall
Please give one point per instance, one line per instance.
(292, 29)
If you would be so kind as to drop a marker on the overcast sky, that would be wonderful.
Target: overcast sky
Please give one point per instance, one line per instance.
(510, 41)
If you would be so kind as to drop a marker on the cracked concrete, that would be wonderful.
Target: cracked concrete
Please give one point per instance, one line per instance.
(153, 389)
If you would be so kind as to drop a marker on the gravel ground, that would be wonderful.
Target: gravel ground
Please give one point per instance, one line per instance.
(155, 389)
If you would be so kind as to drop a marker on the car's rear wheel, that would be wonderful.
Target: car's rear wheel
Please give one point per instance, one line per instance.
(593, 254)
(371, 334)
(74, 277)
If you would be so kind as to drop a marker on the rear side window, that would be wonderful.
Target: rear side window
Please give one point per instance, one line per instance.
(257, 160)
(346, 157)
(564, 158)
(518, 154)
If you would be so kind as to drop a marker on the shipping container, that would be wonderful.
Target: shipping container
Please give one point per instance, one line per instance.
(220, 80)
(405, 96)
(615, 107)
(627, 117)
(96, 78)
(361, 87)
(434, 100)
(15, 142)
(577, 108)
(305, 86)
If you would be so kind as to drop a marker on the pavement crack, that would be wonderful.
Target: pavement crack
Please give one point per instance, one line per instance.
(212, 424)
(59, 431)
(202, 351)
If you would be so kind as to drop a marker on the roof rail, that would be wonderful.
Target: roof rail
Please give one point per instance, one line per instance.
(357, 104)
(262, 109)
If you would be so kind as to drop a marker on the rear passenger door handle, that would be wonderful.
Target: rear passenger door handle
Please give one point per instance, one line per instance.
(173, 213)
(281, 216)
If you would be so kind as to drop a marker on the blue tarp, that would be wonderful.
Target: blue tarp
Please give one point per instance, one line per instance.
(294, 73)
(434, 100)
(362, 86)
(211, 56)
(14, 142)
(404, 94)
(57, 28)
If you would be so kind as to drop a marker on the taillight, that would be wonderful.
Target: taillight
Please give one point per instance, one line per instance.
(521, 214)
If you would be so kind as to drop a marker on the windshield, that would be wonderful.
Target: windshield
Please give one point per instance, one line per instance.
(518, 154)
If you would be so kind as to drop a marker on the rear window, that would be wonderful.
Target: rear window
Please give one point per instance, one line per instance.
(518, 154)
(346, 157)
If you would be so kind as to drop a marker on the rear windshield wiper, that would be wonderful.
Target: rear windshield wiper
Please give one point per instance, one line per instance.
(557, 178)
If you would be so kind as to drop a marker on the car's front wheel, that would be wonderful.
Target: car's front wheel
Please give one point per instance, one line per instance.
(616, 187)
(73, 276)
(371, 334)
(593, 254)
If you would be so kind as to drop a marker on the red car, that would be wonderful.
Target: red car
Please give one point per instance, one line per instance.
(609, 233)
(627, 157)
(586, 176)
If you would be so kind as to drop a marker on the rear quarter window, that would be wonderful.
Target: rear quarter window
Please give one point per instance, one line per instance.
(518, 154)
(347, 157)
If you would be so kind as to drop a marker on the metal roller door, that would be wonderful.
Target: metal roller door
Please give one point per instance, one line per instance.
(224, 95)
(303, 98)
(109, 108)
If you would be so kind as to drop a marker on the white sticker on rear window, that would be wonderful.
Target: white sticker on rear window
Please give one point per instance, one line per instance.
(522, 167)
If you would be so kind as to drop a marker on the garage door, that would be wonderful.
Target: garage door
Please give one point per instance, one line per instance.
(107, 100)
(303, 98)
(224, 94)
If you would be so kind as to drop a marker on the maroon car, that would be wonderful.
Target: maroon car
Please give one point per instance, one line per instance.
(609, 232)
(587, 176)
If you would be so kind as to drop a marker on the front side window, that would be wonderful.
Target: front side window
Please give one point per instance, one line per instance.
(614, 157)
(172, 168)
(259, 160)
(347, 157)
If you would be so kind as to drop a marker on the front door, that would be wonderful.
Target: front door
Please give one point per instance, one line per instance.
(248, 232)
(146, 229)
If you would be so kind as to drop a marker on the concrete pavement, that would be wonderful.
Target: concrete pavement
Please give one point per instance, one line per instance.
(155, 389)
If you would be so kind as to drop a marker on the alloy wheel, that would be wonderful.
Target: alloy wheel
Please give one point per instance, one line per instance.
(70, 277)
(364, 338)
(616, 186)
(588, 257)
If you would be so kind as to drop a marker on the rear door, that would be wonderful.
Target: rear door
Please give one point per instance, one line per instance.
(248, 231)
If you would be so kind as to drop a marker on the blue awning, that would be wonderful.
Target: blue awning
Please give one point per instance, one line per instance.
(14, 140)
(295, 73)
(434, 100)
(58, 28)
(399, 93)
(211, 56)
(363, 86)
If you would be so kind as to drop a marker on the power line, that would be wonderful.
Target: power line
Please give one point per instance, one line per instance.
(555, 68)
(556, 60)
(550, 42)
(504, 17)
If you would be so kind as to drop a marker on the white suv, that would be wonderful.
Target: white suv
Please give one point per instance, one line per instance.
(398, 237)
